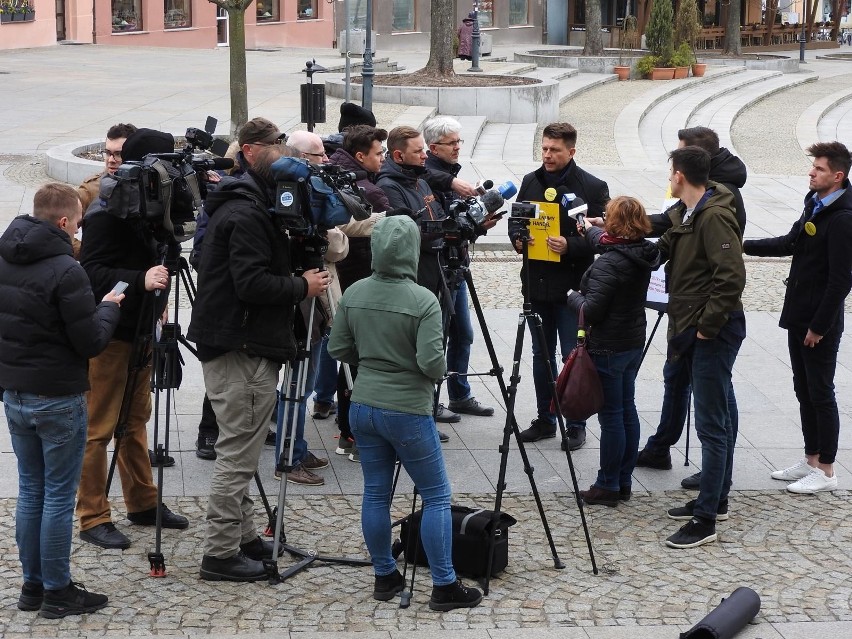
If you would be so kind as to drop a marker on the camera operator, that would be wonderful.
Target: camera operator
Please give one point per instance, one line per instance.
(253, 136)
(443, 139)
(123, 249)
(242, 323)
(549, 282)
(51, 325)
(115, 138)
(361, 150)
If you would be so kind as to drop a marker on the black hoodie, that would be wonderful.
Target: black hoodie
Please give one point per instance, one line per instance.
(246, 294)
(49, 323)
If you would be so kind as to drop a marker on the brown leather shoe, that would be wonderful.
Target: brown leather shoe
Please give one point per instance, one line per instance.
(301, 475)
(600, 496)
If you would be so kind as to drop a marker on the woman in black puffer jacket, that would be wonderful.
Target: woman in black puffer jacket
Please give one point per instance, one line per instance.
(612, 295)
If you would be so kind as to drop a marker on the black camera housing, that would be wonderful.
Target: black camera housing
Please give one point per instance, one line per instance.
(524, 211)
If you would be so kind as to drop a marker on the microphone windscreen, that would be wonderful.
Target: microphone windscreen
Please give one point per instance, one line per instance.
(222, 164)
(492, 200)
(360, 175)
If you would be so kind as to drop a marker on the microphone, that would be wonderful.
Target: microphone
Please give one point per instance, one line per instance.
(482, 187)
(495, 198)
(574, 207)
(360, 175)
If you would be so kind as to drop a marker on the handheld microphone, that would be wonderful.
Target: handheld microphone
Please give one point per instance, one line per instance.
(495, 198)
(574, 207)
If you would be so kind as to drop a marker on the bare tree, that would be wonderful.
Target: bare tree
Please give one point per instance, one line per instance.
(733, 33)
(440, 64)
(594, 41)
(236, 10)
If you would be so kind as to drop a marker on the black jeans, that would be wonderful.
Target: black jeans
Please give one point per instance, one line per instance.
(813, 382)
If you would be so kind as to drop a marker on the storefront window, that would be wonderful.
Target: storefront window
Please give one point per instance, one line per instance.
(518, 13)
(126, 15)
(267, 10)
(403, 15)
(486, 14)
(307, 9)
(178, 14)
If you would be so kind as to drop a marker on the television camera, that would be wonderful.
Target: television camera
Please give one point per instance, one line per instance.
(466, 217)
(166, 189)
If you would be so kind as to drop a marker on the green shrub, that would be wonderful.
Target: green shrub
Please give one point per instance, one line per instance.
(682, 57)
(647, 63)
(658, 34)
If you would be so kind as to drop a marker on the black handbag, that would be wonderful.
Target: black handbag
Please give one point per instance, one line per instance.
(471, 534)
(578, 387)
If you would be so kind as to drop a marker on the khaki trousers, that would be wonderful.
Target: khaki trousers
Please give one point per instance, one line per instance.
(241, 389)
(107, 377)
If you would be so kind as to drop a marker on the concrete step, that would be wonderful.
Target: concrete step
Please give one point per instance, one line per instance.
(501, 140)
(826, 120)
(381, 65)
(659, 125)
(472, 127)
(719, 114)
(582, 82)
(552, 73)
(413, 116)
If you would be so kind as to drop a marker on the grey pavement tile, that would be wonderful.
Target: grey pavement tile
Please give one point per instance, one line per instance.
(808, 630)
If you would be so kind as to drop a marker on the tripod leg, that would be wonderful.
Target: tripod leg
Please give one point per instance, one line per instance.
(535, 324)
(413, 540)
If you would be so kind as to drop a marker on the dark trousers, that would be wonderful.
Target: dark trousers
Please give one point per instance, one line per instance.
(813, 382)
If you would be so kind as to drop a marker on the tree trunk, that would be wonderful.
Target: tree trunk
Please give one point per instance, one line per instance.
(733, 32)
(237, 52)
(239, 86)
(771, 12)
(440, 64)
(811, 20)
(836, 14)
(594, 41)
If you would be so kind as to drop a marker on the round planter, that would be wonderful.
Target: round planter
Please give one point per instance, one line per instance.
(681, 73)
(698, 69)
(663, 73)
(623, 73)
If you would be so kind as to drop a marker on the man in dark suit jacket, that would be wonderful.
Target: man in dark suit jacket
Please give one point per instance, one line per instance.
(549, 282)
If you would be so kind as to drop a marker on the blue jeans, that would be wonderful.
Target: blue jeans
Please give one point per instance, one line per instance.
(676, 389)
(813, 383)
(556, 320)
(712, 362)
(326, 379)
(383, 436)
(618, 418)
(459, 341)
(48, 437)
(295, 410)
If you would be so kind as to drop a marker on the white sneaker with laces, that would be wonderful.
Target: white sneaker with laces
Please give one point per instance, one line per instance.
(814, 482)
(797, 471)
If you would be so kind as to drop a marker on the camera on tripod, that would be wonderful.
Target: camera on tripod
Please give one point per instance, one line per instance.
(166, 189)
(316, 197)
(466, 216)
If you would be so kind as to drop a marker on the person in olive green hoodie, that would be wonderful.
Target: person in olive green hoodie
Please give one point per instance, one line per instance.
(390, 327)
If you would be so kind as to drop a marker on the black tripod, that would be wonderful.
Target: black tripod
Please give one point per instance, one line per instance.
(290, 398)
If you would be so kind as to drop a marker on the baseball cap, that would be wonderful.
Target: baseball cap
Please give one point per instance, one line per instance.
(259, 131)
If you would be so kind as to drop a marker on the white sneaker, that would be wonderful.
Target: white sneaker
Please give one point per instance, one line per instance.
(814, 482)
(797, 471)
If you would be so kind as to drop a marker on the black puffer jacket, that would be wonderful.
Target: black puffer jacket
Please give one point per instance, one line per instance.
(612, 293)
(821, 271)
(49, 323)
(246, 295)
(551, 281)
(375, 196)
(121, 250)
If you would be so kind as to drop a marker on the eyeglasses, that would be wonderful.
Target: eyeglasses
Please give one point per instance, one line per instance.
(316, 155)
(450, 143)
(277, 142)
(111, 155)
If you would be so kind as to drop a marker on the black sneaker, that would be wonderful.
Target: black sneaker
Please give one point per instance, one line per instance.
(452, 596)
(693, 534)
(168, 519)
(693, 482)
(31, 597)
(74, 599)
(323, 409)
(625, 492)
(686, 512)
(446, 416)
(235, 568)
(258, 549)
(539, 429)
(105, 535)
(387, 586)
(471, 406)
(168, 460)
(575, 438)
(650, 459)
(270, 438)
(205, 447)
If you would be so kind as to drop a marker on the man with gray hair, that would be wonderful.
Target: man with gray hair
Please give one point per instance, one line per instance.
(442, 136)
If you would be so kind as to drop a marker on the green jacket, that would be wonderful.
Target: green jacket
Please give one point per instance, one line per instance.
(390, 327)
(705, 273)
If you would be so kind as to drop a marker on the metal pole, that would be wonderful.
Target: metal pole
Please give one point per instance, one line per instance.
(475, 40)
(348, 58)
(367, 70)
(804, 33)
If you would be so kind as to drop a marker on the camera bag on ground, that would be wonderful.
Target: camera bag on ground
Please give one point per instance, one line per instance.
(471, 534)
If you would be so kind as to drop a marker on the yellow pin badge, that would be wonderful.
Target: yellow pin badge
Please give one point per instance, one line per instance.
(550, 194)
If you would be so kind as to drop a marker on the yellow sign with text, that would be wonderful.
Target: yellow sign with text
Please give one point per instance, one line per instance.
(544, 226)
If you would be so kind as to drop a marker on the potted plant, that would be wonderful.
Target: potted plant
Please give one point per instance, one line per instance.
(687, 30)
(646, 65)
(626, 40)
(6, 11)
(658, 36)
(681, 59)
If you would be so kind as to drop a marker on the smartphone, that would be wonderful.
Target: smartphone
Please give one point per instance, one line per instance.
(119, 288)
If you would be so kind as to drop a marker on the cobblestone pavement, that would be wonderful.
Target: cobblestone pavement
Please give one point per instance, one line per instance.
(791, 549)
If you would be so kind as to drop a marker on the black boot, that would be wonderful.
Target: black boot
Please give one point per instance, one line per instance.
(74, 599)
(235, 568)
(31, 596)
(452, 596)
(387, 586)
(539, 429)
